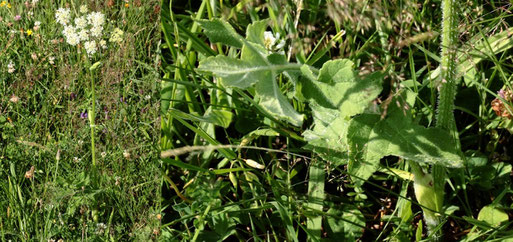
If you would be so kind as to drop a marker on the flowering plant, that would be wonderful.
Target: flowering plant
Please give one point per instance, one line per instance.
(87, 29)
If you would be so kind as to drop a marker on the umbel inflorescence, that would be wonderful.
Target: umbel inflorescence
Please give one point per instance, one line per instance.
(87, 28)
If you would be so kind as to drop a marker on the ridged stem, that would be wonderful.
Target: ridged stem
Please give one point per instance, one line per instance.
(444, 115)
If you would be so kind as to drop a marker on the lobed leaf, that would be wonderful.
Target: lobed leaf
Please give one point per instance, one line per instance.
(371, 138)
(219, 31)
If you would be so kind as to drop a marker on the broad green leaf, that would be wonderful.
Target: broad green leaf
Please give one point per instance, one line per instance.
(235, 72)
(338, 87)
(219, 117)
(359, 134)
(493, 216)
(334, 96)
(336, 71)
(219, 31)
(254, 68)
(274, 102)
(255, 31)
(371, 138)
(328, 137)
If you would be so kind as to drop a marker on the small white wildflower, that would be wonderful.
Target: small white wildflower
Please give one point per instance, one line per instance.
(83, 35)
(269, 40)
(62, 16)
(147, 97)
(71, 36)
(96, 31)
(116, 36)
(81, 22)
(83, 8)
(103, 154)
(30, 13)
(37, 25)
(100, 228)
(10, 67)
(34, 2)
(96, 19)
(126, 154)
(280, 45)
(103, 44)
(76, 159)
(51, 60)
(90, 47)
(73, 39)
(80, 142)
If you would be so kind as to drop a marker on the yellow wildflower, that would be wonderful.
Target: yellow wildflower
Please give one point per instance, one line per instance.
(8, 5)
(127, 5)
(29, 32)
(3, 3)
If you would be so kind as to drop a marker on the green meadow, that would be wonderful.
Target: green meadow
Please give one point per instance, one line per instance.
(71, 71)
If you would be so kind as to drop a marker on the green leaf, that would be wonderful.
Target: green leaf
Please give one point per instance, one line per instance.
(338, 87)
(286, 218)
(274, 102)
(480, 49)
(254, 68)
(418, 232)
(335, 95)
(235, 72)
(345, 223)
(371, 138)
(255, 31)
(492, 215)
(328, 137)
(219, 31)
(315, 198)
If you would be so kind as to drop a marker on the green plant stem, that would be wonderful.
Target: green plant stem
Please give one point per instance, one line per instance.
(91, 119)
(433, 185)
(91, 113)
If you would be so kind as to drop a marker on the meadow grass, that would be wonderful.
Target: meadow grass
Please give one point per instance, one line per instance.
(297, 190)
(50, 190)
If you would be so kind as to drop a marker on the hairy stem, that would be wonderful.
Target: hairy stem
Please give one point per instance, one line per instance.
(444, 117)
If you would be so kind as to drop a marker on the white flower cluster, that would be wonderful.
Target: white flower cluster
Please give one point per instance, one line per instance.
(10, 67)
(117, 35)
(86, 29)
(63, 15)
(271, 41)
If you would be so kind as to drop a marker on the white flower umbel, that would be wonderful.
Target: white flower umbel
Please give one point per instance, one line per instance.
(63, 16)
(97, 31)
(81, 22)
(83, 35)
(90, 47)
(96, 19)
(71, 35)
(103, 44)
(83, 9)
(116, 36)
